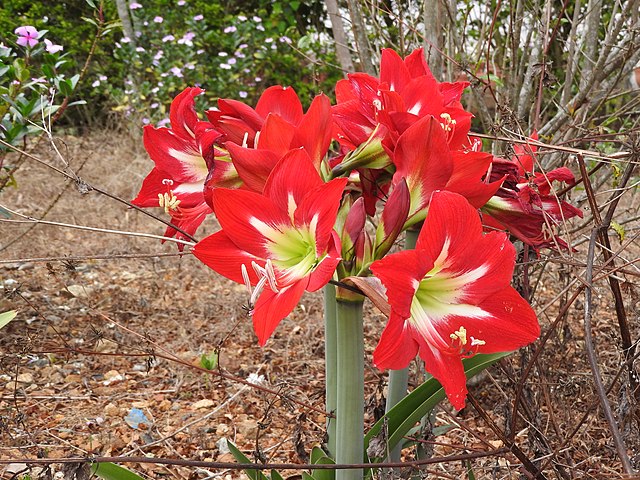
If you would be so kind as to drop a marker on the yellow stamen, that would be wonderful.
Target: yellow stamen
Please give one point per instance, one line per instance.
(168, 201)
(448, 123)
(460, 335)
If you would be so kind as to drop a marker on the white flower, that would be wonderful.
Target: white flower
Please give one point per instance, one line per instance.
(256, 379)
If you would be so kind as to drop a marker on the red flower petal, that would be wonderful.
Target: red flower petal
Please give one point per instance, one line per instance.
(183, 114)
(448, 370)
(291, 180)
(246, 217)
(177, 156)
(510, 323)
(396, 347)
(423, 158)
(272, 307)
(324, 271)
(219, 253)
(315, 130)
(253, 166)
(393, 71)
(401, 273)
(451, 229)
(283, 101)
(276, 135)
(468, 170)
(322, 203)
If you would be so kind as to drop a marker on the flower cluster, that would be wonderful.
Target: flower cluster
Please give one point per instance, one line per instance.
(295, 193)
(191, 45)
(34, 80)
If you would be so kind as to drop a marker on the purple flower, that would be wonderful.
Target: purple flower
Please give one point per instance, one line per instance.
(225, 66)
(242, 18)
(242, 94)
(168, 38)
(256, 19)
(177, 72)
(285, 39)
(140, 49)
(125, 40)
(52, 47)
(96, 84)
(134, 5)
(197, 18)
(102, 78)
(186, 39)
(181, 3)
(158, 19)
(145, 121)
(230, 29)
(163, 122)
(231, 61)
(154, 105)
(27, 36)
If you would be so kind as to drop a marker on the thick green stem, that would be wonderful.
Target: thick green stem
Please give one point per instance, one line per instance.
(331, 363)
(399, 379)
(350, 398)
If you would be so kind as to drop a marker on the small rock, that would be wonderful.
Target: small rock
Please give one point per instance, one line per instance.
(79, 291)
(205, 403)
(111, 409)
(25, 378)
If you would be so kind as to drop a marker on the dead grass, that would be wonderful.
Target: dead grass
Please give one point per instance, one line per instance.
(127, 314)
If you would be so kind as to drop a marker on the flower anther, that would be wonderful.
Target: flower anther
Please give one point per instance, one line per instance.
(168, 201)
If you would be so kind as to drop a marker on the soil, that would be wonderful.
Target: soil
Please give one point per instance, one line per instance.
(95, 339)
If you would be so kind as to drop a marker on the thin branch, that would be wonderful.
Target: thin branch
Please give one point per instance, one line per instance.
(88, 187)
(29, 219)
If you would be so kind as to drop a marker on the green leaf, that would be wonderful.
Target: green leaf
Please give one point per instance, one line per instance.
(619, 229)
(275, 475)
(240, 457)
(209, 361)
(6, 317)
(111, 471)
(319, 457)
(66, 89)
(470, 474)
(409, 411)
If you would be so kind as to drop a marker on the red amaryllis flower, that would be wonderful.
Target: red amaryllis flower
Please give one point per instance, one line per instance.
(424, 160)
(451, 297)
(281, 243)
(181, 155)
(405, 92)
(258, 139)
(525, 206)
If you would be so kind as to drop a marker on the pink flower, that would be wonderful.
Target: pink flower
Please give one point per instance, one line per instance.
(27, 36)
(197, 18)
(134, 5)
(52, 47)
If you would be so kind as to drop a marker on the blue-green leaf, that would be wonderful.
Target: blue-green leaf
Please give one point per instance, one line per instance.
(240, 457)
(6, 317)
(111, 471)
(401, 418)
(319, 457)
